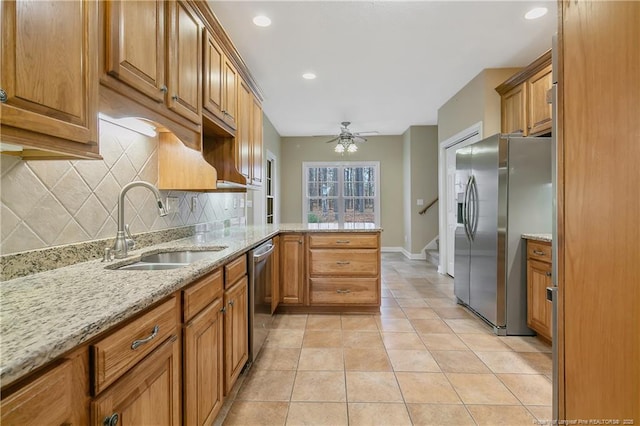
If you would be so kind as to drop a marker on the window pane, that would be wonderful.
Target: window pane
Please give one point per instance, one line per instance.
(322, 210)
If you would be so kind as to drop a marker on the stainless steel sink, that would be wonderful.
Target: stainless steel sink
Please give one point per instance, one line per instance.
(187, 256)
(144, 266)
(169, 259)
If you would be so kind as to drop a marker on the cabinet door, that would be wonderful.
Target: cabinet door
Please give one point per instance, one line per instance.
(236, 327)
(243, 134)
(135, 45)
(203, 366)
(274, 291)
(292, 268)
(49, 72)
(149, 394)
(539, 111)
(56, 398)
(213, 78)
(538, 307)
(256, 142)
(230, 98)
(513, 110)
(185, 61)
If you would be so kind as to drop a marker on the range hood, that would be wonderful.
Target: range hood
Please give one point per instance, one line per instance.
(219, 150)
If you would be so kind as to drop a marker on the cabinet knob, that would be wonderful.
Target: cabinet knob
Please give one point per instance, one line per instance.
(299, 241)
(230, 302)
(174, 97)
(164, 89)
(112, 420)
(223, 309)
(3, 96)
(548, 274)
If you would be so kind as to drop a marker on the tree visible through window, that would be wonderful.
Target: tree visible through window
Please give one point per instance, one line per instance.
(341, 195)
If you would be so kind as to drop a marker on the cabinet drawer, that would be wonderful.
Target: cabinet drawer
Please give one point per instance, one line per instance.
(343, 240)
(117, 353)
(235, 270)
(343, 291)
(201, 293)
(353, 262)
(539, 251)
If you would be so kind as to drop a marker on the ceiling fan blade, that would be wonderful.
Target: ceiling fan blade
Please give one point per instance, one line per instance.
(333, 140)
(361, 139)
(361, 133)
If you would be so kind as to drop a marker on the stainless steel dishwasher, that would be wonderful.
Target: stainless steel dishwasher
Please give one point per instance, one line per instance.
(260, 276)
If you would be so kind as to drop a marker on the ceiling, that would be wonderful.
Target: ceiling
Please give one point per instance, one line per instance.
(383, 65)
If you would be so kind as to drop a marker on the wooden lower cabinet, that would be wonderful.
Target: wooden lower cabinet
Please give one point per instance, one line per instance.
(538, 279)
(58, 396)
(203, 366)
(292, 272)
(148, 394)
(236, 331)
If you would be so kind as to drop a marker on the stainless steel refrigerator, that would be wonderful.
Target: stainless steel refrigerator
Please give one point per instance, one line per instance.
(503, 189)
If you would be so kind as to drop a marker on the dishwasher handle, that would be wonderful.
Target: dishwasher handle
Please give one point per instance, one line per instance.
(262, 255)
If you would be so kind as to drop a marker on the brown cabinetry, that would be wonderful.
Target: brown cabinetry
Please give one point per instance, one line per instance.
(136, 370)
(538, 279)
(249, 136)
(292, 273)
(524, 105)
(58, 396)
(203, 350)
(152, 55)
(236, 321)
(344, 269)
(256, 142)
(220, 82)
(49, 78)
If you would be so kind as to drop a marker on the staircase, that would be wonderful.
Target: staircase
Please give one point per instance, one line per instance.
(433, 254)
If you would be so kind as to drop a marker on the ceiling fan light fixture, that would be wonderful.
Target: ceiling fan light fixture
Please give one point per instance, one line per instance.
(352, 147)
(339, 148)
(262, 21)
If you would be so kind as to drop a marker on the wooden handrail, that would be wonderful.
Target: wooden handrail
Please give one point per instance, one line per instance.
(424, 210)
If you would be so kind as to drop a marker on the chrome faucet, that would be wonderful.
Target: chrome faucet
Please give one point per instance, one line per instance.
(122, 243)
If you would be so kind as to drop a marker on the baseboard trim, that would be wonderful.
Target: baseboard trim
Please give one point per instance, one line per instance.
(408, 255)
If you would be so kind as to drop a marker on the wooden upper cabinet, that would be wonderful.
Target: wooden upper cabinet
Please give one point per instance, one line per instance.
(514, 111)
(256, 143)
(524, 106)
(243, 134)
(135, 45)
(185, 61)
(220, 82)
(49, 77)
(539, 109)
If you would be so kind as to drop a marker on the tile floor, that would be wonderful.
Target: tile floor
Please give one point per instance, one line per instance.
(423, 360)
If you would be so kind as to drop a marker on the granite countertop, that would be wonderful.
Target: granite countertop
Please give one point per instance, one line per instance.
(538, 237)
(44, 315)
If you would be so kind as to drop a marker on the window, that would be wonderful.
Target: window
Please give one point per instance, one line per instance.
(341, 195)
(270, 190)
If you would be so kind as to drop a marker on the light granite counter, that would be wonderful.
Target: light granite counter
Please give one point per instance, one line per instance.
(538, 237)
(44, 315)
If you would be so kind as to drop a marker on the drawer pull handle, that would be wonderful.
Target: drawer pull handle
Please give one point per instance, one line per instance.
(548, 274)
(343, 291)
(343, 241)
(137, 343)
(112, 420)
(231, 302)
(539, 252)
(343, 262)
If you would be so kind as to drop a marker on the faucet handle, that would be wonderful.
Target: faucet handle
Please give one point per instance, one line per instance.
(108, 256)
(130, 242)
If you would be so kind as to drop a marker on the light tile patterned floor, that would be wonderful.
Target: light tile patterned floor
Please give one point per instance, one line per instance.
(424, 360)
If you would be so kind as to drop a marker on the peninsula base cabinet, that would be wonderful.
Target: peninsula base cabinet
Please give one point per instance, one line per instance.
(236, 321)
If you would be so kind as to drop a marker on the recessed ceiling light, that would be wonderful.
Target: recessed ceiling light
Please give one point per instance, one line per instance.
(536, 13)
(262, 21)
(308, 76)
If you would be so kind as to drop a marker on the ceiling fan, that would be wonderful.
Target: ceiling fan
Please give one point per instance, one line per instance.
(347, 139)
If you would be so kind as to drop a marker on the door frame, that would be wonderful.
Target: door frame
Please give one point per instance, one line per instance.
(466, 137)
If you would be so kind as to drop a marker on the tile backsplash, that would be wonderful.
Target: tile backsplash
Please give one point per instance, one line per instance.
(49, 203)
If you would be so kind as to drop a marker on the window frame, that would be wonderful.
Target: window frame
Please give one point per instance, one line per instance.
(341, 165)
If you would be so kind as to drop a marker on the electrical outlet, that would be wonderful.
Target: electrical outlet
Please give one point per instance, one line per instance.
(194, 203)
(172, 204)
(420, 202)
(226, 203)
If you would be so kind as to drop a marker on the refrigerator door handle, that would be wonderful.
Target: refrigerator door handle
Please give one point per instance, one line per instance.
(466, 211)
(474, 205)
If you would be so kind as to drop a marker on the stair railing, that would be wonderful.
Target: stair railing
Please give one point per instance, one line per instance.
(424, 210)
